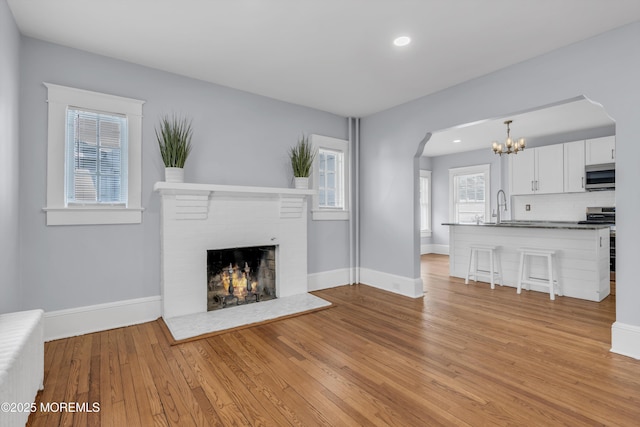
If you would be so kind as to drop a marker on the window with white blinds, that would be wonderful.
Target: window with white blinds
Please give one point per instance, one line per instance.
(96, 158)
(330, 178)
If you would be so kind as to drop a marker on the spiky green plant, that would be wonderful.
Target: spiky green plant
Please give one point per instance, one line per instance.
(302, 155)
(174, 139)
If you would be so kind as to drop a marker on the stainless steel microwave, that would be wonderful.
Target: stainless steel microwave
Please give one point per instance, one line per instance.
(600, 177)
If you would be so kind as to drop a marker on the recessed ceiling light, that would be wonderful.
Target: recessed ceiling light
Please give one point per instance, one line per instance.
(402, 41)
(455, 141)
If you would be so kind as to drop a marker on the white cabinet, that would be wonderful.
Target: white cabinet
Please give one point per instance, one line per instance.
(522, 172)
(574, 161)
(550, 169)
(537, 170)
(601, 150)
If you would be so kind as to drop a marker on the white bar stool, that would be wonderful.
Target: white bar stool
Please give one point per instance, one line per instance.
(494, 274)
(552, 269)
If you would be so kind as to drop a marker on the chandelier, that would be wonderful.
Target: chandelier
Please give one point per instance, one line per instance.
(510, 146)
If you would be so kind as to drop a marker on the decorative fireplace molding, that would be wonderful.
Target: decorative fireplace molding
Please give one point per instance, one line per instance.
(199, 217)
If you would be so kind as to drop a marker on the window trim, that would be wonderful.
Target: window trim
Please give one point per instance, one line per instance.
(61, 97)
(328, 213)
(469, 170)
(427, 231)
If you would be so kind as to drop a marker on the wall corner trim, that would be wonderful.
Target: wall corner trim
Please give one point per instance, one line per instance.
(101, 317)
(407, 286)
(625, 340)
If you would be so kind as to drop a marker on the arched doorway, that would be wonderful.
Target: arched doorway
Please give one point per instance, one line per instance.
(577, 119)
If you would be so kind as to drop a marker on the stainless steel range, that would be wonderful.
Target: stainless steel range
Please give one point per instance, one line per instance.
(605, 216)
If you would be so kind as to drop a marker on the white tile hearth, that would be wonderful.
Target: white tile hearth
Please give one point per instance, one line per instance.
(193, 325)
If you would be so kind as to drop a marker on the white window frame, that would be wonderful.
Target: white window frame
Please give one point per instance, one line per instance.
(425, 232)
(327, 213)
(59, 99)
(470, 170)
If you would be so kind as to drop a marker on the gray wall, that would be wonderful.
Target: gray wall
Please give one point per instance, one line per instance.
(239, 138)
(9, 149)
(606, 69)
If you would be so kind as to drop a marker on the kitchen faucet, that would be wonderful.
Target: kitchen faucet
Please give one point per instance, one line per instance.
(504, 198)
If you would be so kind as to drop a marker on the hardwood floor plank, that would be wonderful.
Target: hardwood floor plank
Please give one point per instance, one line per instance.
(129, 393)
(53, 356)
(214, 386)
(462, 355)
(114, 366)
(243, 389)
(174, 408)
(106, 401)
(93, 418)
(206, 407)
(62, 375)
(145, 379)
(180, 381)
(309, 393)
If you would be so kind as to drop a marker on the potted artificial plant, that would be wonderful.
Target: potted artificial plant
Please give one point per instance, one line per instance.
(302, 155)
(174, 140)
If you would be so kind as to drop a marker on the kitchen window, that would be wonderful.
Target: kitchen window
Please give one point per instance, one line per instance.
(468, 190)
(93, 158)
(330, 178)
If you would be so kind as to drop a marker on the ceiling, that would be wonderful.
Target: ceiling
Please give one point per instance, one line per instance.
(333, 55)
(557, 119)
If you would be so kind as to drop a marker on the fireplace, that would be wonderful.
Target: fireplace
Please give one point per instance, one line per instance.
(238, 276)
(196, 218)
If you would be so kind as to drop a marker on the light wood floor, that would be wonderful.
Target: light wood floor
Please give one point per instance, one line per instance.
(463, 355)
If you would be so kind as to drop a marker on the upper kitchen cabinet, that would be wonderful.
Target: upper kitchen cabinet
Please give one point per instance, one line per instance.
(537, 170)
(522, 172)
(574, 172)
(600, 150)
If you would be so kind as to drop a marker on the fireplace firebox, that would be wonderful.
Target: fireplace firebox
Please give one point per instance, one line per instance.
(238, 276)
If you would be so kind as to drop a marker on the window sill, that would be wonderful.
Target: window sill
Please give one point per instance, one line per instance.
(330, 215)
(93, 215)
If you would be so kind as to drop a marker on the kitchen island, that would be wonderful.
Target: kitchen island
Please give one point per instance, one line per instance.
(582, 253)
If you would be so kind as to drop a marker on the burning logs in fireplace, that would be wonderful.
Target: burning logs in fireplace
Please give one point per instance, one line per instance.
(231, 285)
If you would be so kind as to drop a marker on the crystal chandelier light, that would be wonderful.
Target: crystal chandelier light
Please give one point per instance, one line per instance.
(510, 146)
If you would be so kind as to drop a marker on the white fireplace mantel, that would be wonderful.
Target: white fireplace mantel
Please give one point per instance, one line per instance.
(233, 190)
(200, 217)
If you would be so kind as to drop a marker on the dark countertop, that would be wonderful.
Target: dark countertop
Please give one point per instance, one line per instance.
(536, 224)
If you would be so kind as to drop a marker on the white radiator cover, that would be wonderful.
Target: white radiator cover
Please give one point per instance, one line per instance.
(199, 217)
(21, 364)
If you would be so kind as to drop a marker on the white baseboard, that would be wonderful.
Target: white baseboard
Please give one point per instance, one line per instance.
(101, 317)
(434, 249)
(390, 282)
(625, 340)
(328, 279)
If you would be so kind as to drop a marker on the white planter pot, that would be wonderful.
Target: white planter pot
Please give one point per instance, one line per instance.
(301, 183)
(174, 174)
